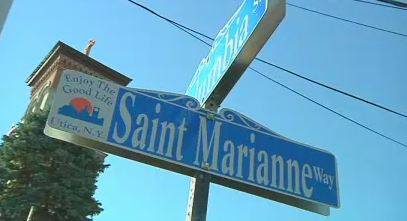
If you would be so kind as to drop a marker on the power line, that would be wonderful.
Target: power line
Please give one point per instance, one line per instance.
(399, 3)
(347, 20)
(181, 27)
(379, 4)
(333, 89)
(171, 21)
(189, 30)
(329, 109)
(306, 97)
(293, 5)
(310, 99)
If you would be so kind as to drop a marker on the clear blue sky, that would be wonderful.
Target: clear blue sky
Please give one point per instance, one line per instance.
(368, 63)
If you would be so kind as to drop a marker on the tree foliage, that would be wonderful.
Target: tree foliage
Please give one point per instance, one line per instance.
(56, 177)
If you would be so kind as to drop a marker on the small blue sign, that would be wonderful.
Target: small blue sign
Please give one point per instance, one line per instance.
(176, 129)
(226, 46)
(236, 45)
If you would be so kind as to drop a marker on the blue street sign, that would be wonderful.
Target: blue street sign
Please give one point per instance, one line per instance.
(172, 131)
(234, 48)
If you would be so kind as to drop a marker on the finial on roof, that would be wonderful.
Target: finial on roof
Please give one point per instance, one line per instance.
(89, 46)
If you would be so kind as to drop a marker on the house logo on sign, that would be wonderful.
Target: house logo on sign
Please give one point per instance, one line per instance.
(82, 109)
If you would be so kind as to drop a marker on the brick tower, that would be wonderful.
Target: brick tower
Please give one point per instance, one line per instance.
(44, 79)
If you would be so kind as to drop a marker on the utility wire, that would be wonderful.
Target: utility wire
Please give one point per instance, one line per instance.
(188, 31)
(181, 27)
(329, 109)
(347, 20)
(379, 4)
(334, 89)
(304, 96)
(399, 3)
(290, 4)
(170, 20)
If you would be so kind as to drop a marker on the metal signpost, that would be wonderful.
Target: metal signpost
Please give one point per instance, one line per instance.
(173, 132)
(234, 48)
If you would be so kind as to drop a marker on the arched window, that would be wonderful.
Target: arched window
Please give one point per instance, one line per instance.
(44, 98)
(44, 101)
(33, 105)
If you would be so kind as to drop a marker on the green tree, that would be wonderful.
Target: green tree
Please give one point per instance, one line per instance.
(54, 177)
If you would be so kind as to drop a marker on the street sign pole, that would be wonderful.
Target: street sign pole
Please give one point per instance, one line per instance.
(198, 197)
(251, 25)
(199, 187)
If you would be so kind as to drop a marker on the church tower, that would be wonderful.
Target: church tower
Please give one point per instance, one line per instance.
(44, 80)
